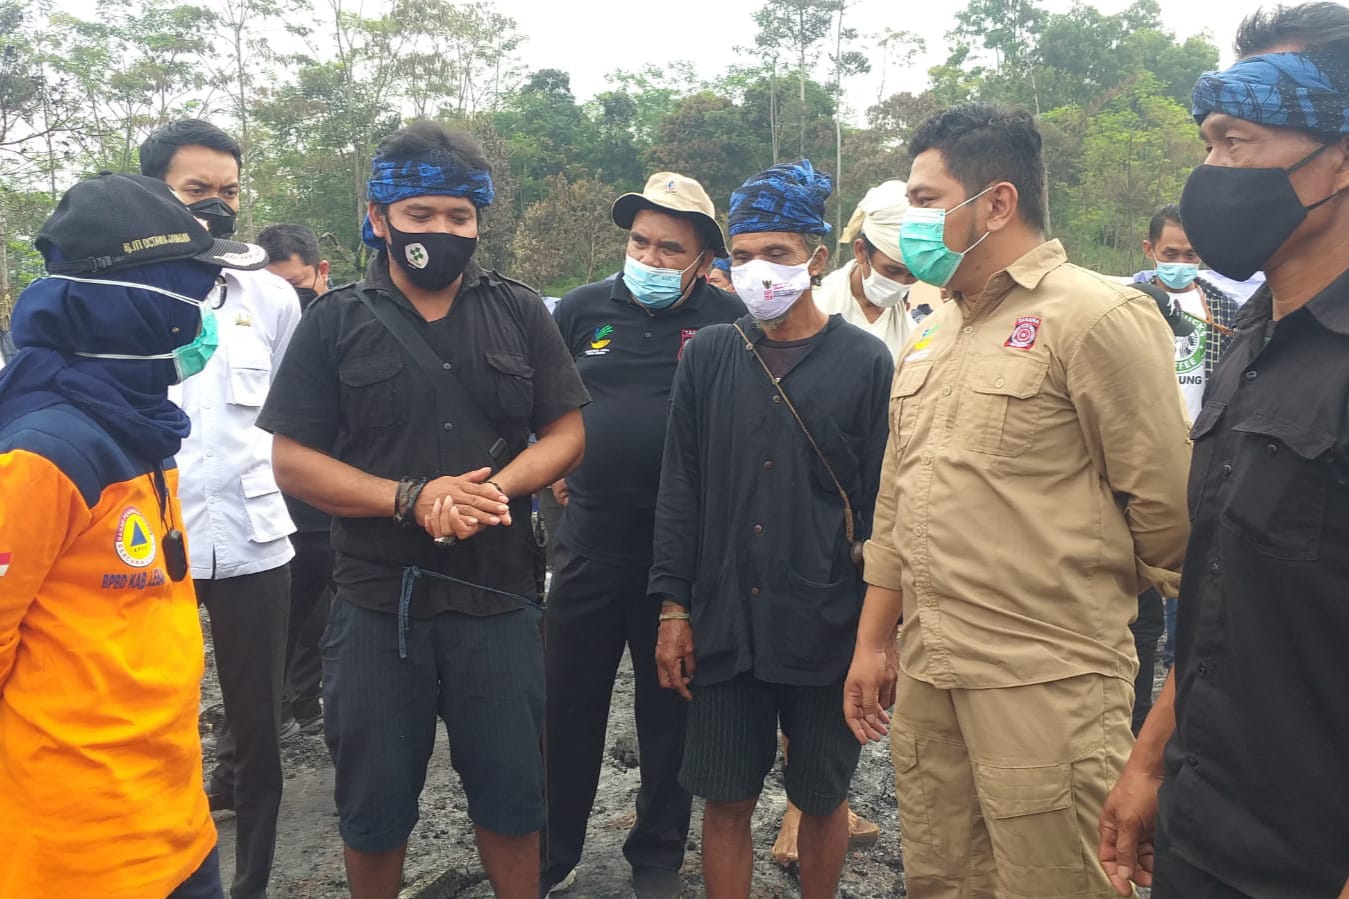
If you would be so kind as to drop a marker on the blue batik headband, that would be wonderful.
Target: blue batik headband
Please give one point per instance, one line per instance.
(788, 197)
(433, 176)
(1284, 90)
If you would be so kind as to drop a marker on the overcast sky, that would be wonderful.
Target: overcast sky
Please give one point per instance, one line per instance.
(591, 38)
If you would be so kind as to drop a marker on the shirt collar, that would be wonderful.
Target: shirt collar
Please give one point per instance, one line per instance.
(1330, 307)
(1027, 272)
(377, 276)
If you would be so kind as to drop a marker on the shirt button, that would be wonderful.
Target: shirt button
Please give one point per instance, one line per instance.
(999, 382)
(447, 365)
(1272, 449)
(210, 453)
(1214, 567)
(753, 591)
(1192, 760)
(946, 391)
(1227, 470)
(449, 426)
(776, 398)
(968, 329)
(1203, 669)
(768, 465)
(1252, 375)
(758, 529)
(647, 334)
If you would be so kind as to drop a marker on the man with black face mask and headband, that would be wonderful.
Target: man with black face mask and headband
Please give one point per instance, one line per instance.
(100, 645)
(1033, 486)
(236, 520)
(1248, 738)
(404, 409)
(772, 462)
(626, 335)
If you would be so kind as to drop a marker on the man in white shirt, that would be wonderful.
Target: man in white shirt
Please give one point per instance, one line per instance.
(871, 289)
(237, 522)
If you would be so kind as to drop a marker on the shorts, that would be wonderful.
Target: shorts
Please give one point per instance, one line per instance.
(481, 675)
(732, 741)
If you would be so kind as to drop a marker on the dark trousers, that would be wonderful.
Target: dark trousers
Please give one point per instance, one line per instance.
(204, 882)
(1147, 629)
(594, 609)
(311, 576)
(248, 631)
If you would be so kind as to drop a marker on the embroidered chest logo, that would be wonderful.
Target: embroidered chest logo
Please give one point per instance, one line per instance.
(1024, 334)
(135, 543)
(600, 340)
(243, 320)
(685, 335)
(416, 255)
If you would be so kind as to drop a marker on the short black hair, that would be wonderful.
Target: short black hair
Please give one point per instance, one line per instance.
(158, 149)
(981, 145)
(1168, 213)
(284, 241)
(1309, 26)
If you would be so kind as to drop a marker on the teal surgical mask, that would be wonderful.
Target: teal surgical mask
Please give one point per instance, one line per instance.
(922, 243)
(188, 359)
(1177, 275)
(655, 288)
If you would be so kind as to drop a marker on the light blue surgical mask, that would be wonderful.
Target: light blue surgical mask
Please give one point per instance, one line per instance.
(655, 288)
(922, 243)
(188, 359)
(1177, 275)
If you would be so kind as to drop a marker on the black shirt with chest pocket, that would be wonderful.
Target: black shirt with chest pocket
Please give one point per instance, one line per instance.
(1257, 786)
(348, 389)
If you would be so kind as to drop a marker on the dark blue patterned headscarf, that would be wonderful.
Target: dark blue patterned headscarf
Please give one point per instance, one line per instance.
(788, 197)
(1285, 90)
(723, 264)
(436, 175)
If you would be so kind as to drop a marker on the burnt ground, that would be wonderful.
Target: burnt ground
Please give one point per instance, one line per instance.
(442, 861)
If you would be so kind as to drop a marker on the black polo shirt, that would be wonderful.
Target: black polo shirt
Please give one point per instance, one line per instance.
(347, 388)
(749, 526)
(1257, 779)
(626, 355)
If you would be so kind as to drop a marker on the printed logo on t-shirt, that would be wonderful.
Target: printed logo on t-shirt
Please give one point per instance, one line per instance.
(135, 543)
(599, 342)
(685, 335)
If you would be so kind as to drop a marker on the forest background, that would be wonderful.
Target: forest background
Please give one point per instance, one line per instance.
(310, 86)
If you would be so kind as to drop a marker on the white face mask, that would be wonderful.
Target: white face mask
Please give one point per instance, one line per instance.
(882, 291)
(767, 289)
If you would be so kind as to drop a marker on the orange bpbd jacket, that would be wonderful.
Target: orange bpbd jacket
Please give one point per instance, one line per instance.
(100, 673)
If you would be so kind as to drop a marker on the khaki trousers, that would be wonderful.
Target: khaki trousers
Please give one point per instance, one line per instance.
(1000, 790)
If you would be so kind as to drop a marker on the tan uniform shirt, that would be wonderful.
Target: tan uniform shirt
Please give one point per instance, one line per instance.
(1034, 480)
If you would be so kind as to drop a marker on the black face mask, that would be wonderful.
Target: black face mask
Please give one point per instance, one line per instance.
(217, 214)
(432, 260)
(1237, 219)
(307, 295)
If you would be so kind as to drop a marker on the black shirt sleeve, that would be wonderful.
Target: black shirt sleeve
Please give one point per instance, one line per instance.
(303, 401)
(675, 547)
(557, 385)
(875, 430)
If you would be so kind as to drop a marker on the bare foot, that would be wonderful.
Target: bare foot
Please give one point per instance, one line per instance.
(784, 849)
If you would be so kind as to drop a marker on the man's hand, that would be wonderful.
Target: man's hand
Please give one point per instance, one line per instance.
(674, 653)
(475, 499)
(1128, 825)
(446, 521)
(560, 491)
(868, 691)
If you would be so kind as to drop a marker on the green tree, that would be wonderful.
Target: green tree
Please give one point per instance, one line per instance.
(568, 238)
(796, 27)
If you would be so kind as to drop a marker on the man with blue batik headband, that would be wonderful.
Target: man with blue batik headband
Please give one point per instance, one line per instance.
(1251, 726)
(404, 408)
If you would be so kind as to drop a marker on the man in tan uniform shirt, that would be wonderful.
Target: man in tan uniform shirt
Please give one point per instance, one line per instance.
(1034, 482)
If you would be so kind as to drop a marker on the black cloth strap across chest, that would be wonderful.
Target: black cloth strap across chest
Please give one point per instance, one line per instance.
(456, 407)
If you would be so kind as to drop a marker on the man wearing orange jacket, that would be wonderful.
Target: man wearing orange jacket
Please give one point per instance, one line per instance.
(100, 649)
